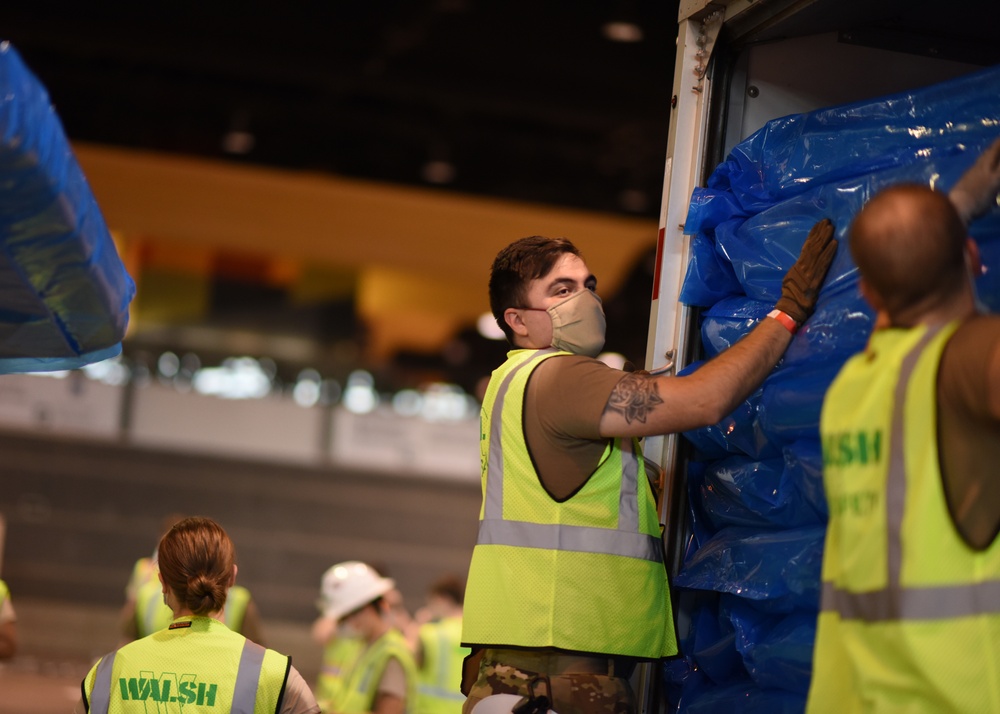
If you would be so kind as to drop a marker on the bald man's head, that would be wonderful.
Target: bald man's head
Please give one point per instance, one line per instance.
(908, 243)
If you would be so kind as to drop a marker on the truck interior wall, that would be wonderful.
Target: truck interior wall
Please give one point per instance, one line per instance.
(800, 74)
(750, 631)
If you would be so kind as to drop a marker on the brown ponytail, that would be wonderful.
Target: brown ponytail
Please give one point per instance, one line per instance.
(196, 559)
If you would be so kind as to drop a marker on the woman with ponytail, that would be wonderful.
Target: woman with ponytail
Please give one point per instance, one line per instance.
(197, 664)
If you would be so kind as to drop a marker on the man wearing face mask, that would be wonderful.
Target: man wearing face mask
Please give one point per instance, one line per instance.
(567, 589)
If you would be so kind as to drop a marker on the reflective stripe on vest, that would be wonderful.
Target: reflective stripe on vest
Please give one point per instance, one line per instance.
(100, 698)
(244, 694)
(441, 672)
(247, 676)
(494, 529)
(895, 602)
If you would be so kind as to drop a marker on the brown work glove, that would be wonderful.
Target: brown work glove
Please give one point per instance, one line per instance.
(976, 191)
(801, 284)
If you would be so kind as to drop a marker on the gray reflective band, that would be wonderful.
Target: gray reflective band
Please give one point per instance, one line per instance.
(494, 486)
(245, 693)
(100, 697)
(895, 497)
(628, 496)
(925, 603)
(895, 602)
(626, 541)
(578, 539)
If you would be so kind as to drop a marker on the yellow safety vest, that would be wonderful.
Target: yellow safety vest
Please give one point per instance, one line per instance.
(584, 575)
(152, 615)
(910, 615)
(440, 679)
(197, 665)
(361, 684)
(338, 658)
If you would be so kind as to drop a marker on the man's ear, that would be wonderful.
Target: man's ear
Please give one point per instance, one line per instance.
(232, 580)
(870, 296)
(973, 260)
(512, 316)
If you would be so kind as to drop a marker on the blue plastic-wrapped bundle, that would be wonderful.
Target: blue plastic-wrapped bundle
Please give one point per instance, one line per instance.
(64, 292)
(751, 572)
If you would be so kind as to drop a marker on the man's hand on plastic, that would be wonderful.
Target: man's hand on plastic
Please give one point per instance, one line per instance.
(975, 193)
(802, 282)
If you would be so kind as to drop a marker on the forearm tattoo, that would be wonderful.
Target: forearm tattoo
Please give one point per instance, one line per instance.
(634, 397)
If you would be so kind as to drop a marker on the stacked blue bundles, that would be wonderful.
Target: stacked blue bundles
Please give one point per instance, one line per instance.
(64, 292)
(749, 585)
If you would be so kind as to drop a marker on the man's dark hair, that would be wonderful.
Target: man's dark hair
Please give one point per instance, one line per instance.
(518, 264)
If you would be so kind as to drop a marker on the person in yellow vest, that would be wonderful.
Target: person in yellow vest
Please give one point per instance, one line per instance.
(382, 678)
(567, 587)
(341, 644)
(150, 614)
(8, 624)
(197, 664)
(438, 650)
(910, 599)
(144, 611)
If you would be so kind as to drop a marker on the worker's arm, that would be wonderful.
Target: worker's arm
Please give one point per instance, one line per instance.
(8, 640)
(645, 405)
(388, 704)
(975, 192)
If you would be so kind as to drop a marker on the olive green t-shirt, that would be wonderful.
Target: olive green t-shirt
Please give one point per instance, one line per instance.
(565, 398)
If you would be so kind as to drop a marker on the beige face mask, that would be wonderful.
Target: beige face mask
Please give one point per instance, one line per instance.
(578, 324)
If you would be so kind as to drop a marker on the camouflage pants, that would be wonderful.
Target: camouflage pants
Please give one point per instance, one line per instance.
(573, 692)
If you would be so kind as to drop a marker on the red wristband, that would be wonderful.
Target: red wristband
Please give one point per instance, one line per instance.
(785, 319)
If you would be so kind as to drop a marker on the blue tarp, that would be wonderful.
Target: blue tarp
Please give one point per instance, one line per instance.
(751, 573)
(64, 292)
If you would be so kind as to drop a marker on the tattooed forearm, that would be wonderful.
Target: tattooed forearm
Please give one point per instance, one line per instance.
(634, 397)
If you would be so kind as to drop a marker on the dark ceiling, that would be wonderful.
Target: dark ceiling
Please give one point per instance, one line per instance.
(523, 99)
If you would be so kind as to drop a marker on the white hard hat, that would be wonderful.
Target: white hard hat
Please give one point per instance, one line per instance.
(350, 585)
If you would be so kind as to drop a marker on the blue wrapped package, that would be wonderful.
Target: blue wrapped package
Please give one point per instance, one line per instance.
(759, 539)
(759, 494)
(64, 292)
(776, 650)
(778, 569)
(742, 696)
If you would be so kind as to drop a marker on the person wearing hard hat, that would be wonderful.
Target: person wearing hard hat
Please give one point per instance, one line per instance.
(382, 678)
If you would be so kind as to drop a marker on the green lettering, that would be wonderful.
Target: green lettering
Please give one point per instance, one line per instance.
(123, 685)
(846, 448)
(185, 691)
(201, 693)
(210, 697)
(139, 688)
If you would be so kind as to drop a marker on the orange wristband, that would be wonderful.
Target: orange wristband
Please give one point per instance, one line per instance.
(785, 319)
